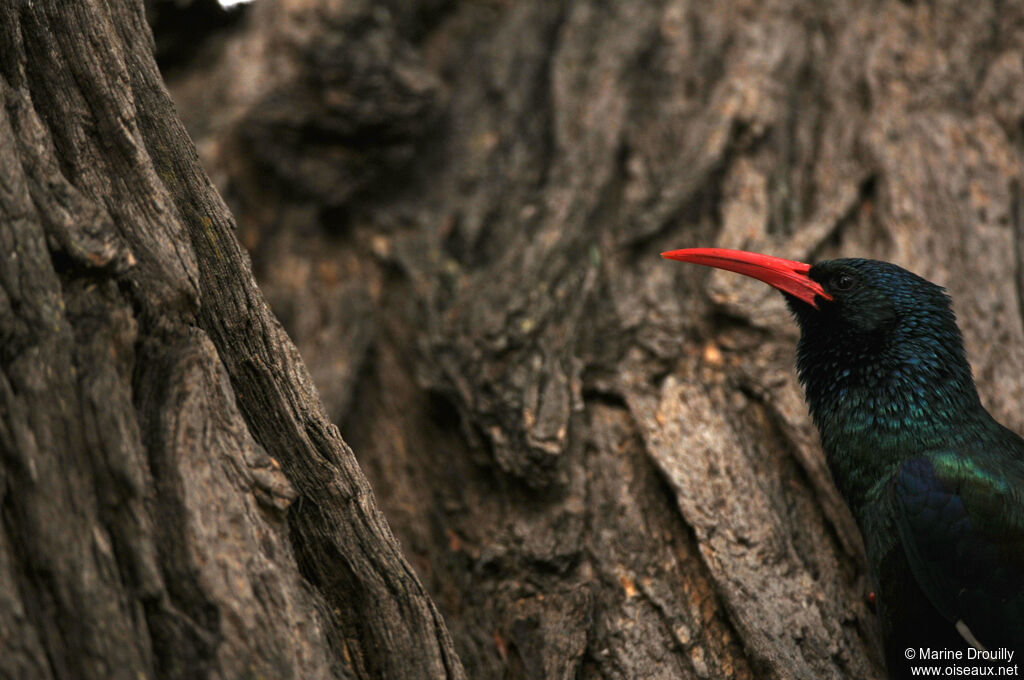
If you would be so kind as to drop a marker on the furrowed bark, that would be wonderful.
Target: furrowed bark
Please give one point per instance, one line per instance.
(175, 502)
(601, 462)
(598, 463)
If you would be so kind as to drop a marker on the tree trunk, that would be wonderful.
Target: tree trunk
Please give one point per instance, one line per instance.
(175, 501)
(598, 463)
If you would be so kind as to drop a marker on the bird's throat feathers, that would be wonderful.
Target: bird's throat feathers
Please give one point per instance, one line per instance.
(881, 396)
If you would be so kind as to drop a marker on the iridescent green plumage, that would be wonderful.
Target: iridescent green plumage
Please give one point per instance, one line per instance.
(936, 484)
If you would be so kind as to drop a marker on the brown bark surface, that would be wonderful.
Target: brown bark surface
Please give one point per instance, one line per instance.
(597, 463)
(158, 430)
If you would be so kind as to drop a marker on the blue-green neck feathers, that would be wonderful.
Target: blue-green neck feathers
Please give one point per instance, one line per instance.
(884, 369)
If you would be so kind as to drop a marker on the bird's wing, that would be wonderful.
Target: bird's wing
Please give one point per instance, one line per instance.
(961, 523)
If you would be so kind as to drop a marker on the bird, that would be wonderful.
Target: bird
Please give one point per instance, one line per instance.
(935, 483)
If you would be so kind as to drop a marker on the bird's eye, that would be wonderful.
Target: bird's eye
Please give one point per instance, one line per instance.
(843, 282)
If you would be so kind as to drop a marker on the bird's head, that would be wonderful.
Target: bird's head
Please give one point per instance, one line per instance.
(880, 357)
(846, 298)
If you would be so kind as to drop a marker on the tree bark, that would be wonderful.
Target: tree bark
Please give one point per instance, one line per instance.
(601, 463)
(175, 502)
(598, 463)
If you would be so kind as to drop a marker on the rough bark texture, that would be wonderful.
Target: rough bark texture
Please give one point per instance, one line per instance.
(175, 502)
(598, 463)
(601, 462)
